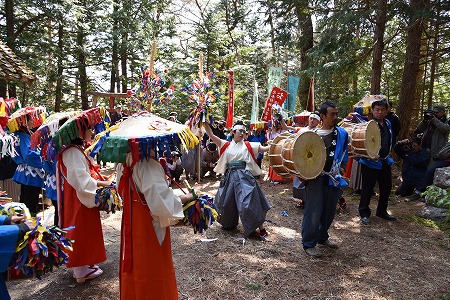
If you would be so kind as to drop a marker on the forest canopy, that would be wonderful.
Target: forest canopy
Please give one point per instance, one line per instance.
(351, 48)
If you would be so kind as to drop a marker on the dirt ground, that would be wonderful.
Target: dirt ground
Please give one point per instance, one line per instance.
(384, 260)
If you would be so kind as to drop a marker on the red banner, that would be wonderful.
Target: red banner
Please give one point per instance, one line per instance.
(230, 113)
(276, 96)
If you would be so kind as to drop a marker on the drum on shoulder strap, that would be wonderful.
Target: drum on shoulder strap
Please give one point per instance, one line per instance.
(301, 154)
(304, 155)
(364, 139)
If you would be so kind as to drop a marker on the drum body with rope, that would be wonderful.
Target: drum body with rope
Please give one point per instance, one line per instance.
(364, 139)
(275, 158)
(304, 155)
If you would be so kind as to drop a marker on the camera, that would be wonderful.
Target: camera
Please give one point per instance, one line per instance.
(428, 114)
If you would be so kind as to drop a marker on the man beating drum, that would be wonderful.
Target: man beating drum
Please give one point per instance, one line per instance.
(298, 186)
(322, 192)
(378, 168)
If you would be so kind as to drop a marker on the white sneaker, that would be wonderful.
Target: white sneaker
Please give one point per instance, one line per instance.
(81, 274)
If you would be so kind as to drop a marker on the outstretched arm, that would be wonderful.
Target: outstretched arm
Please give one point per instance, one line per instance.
(212, 136)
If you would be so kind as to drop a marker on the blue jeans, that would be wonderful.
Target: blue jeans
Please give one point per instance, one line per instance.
(320, 207)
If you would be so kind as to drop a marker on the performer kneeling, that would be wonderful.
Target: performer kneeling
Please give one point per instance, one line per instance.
(239, 194)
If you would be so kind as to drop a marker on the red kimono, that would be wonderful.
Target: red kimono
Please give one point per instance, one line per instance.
(88, 246)
(146, 266)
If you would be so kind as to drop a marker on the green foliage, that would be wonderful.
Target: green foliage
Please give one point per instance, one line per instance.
(437, 196)
(443, 226)
(254, 286)
(240, 35)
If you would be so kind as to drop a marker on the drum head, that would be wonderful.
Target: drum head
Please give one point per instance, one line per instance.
(373, 139)
(309, 155)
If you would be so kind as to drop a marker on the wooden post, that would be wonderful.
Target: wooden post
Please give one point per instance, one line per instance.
(150, 71)
(200, 77)
(200, 67)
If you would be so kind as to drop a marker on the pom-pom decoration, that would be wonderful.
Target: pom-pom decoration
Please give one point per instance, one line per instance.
(107, 199)
(200, 213)
(201, 93)
(149, 92)
(151, 89)
(42, 249)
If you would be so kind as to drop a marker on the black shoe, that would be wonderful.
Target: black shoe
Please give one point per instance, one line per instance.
(365, 220)
(387, 217)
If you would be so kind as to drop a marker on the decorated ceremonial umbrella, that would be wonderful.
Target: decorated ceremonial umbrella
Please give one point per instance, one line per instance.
(72, 129)
(139, 134)
(364, 106)
(19, 117)
(7, 107)
(43, 135)
(147, 136)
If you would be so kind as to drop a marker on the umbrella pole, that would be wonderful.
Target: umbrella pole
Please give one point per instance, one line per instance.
(198, 162)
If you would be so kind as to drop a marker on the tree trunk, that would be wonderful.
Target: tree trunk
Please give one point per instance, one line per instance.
(115, 46)
(306, 43)
(411, 67)
(272, 34)
(60, 69)
(9, 13)
(82, 76)
(434, 57)
(123, 61)
(378, 47)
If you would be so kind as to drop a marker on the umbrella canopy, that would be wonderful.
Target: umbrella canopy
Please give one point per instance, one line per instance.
(74, 128)
(139, 134)
(19, 117)
(7, 107)
(46, 131)
(364, 106)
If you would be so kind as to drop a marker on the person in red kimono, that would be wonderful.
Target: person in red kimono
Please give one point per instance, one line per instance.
(146, 266)
(76, 200)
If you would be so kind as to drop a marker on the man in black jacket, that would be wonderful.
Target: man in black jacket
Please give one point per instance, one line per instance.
(415, 162)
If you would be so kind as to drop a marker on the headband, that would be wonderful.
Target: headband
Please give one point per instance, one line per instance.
(315, 116)
(238, 127)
